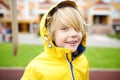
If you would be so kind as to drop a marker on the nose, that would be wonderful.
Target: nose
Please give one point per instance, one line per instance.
(74, 33)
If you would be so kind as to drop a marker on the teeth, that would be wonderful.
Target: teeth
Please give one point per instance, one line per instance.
(73, 42)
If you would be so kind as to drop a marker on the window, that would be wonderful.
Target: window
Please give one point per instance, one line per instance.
(107, 1)
(117, 1)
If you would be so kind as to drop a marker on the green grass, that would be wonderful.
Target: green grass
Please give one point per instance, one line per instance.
(117, 36)
(98, 57)
(102, 57)
(24, 55)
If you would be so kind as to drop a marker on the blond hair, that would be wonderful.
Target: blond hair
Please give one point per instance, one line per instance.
(67, 16)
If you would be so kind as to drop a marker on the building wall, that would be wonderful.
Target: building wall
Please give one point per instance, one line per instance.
(30, 13)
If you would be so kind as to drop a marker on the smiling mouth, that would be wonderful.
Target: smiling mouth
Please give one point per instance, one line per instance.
(72, 43)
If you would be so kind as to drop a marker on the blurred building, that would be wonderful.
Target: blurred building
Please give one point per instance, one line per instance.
(100, 15)
(116, 16)
(29, 14)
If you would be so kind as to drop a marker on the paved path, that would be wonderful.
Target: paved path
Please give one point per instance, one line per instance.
(102, 41)
(29, 39)
(92, 40)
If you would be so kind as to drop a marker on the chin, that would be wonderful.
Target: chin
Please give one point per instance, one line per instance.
(73, 50)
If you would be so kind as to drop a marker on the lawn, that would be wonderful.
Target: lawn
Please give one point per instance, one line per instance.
(24, 55)
(102, 57)
(98, 57)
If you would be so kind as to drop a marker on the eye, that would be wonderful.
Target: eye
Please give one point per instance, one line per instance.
(77, 29)
(64, 28)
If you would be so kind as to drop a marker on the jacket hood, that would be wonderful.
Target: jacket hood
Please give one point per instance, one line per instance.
(49, 46)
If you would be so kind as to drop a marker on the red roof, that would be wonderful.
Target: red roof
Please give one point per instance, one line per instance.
(101, 2)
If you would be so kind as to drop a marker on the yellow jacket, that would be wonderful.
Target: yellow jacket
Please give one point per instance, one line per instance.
(56, 63)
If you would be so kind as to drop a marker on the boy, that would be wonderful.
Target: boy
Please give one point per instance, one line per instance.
(63, 32)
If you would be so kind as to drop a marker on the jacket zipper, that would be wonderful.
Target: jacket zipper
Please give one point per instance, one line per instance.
(71, 69)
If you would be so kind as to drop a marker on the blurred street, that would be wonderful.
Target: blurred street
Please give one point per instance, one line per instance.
(102, 41)
(29, 39)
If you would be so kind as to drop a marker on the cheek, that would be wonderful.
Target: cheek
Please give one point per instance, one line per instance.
(59, 39)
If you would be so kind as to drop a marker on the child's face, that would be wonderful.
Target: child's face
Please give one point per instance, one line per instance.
(67, 37)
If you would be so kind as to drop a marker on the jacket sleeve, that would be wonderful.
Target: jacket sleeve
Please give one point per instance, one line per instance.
(87, 71)
(87, 74)
(31, 73)
(86, 68)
